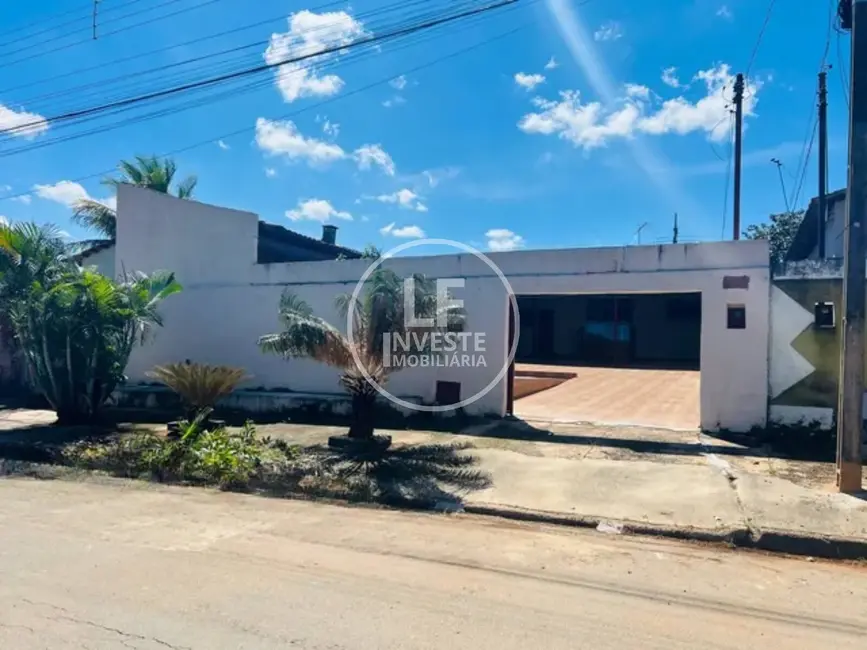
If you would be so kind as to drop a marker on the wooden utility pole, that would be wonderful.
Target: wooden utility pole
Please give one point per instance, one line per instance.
(851, 386)
(823, 161)
(674, 234)
(739, 128)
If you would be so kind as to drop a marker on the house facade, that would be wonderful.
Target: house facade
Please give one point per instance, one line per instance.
(230, 298)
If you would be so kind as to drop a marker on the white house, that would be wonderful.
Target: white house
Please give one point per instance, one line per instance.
(230, 299)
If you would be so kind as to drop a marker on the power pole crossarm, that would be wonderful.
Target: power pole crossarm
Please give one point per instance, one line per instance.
(739, 127)
(851, 389)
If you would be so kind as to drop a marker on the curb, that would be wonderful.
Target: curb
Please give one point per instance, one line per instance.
(777, 541)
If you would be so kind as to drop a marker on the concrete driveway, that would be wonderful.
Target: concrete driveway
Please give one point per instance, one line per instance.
(653, 398)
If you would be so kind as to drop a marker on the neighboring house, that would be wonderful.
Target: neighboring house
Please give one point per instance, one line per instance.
(275, 245)
(805, 246)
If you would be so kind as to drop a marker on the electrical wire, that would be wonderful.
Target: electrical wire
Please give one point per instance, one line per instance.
(256, 84)
(797, 194)
(87, 16)
(842, 72)
(760, 37)
(119, 30)
(310, 107)
(28, 126)
(136, 80)
(728, 176)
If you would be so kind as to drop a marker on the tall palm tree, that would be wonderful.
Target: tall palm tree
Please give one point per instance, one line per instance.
(378, 311)
(151, 172)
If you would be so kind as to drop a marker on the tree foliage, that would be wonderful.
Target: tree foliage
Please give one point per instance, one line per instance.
(379, 310)
(73, 327)
(152, 172)
(780, 232)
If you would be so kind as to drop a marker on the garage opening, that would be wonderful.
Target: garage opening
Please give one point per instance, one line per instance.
(624, 358)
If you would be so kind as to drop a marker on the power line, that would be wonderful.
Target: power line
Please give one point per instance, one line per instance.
(728, 176)
(88, 9)
(256, 69)
(797, 194)
(760, 36)
(380, 82)
(106, 34)
(253, 85)
(184, 75)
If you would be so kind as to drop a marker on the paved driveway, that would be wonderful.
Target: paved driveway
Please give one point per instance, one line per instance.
(655, 398)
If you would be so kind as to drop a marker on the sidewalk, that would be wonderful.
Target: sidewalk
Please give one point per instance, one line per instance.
(634, 479)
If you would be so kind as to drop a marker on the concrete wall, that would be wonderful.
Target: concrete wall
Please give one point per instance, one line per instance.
(103, 260)
(229, 301)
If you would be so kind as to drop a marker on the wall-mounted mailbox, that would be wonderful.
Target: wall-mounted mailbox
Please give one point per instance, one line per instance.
(736, 317)
(825, 317)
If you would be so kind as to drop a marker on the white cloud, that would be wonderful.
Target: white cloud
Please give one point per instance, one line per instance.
(330, 128)
(282, 138)
(590, 125)
(435, 176)
(529, 81)
(552, 64)
(405, 198)
(67, 193)
(310, 33)
(316, 210)
(500, 239)
(5, 188)
(24, 198)
(610, 31)
(398, 83)
(638, 91)
(724, 12)
(223, 145)
(397, 100)
(373, 154)
(3, 221)
(11, 119)
(270, 172)
(669, 77)
(404, 232)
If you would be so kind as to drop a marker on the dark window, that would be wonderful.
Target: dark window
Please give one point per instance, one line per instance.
(824, 315)
(448, 392)
(737, 317)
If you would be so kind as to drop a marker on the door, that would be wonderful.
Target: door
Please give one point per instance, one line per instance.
(545, 334)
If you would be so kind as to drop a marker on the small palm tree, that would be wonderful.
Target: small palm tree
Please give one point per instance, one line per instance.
(378, 311)
(151, 172)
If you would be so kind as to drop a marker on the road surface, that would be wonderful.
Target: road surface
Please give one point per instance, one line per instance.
(112, 564)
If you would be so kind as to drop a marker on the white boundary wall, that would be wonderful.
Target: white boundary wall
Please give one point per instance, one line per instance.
(229, 301)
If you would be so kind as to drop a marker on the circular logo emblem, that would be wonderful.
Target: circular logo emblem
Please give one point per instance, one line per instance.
(435, 346)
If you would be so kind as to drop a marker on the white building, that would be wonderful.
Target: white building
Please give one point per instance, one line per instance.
(230, 299)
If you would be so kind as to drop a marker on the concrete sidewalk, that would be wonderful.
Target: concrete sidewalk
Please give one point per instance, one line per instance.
(714, 501)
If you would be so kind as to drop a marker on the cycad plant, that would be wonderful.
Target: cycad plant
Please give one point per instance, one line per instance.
(154, 173)
(199, 386)
(379, 310)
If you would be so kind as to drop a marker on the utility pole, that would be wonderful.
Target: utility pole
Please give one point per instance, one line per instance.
(638, 232)
(674, 234)
(739, 127)
(851, 386)
(823, 160)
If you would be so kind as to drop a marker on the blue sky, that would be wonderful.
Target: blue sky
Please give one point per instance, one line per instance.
(590, 120)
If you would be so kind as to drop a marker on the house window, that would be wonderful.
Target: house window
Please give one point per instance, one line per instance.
(448, 393)
(736, 317)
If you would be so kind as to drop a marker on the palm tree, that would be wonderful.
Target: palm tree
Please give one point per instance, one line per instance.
(74, 328)
(151, 172)
(378, 311)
